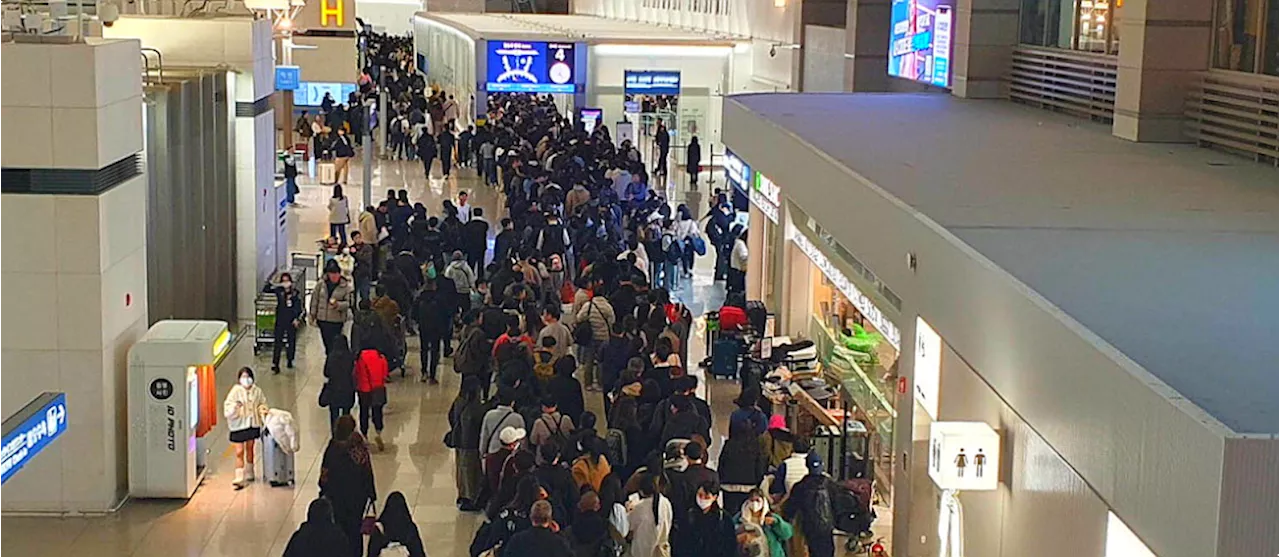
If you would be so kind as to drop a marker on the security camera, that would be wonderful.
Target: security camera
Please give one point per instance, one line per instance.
(773, 50)
(108, 13)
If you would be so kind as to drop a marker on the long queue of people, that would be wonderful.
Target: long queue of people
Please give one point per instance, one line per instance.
(576, 297)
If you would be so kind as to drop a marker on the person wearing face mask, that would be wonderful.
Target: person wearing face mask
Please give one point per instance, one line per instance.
(330, 303)
(346, 262)
(244, 408)
(707, 530)
(756, 515)
(288, 315)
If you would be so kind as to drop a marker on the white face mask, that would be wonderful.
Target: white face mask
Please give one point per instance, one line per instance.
(246, 382)
(705, 504)
(756, 506)
(346, 251)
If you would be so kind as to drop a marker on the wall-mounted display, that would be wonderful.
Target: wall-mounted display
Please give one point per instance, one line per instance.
(651, 82)
(964, 456)
(920, 41)
(30, 430)
(311, 93)
(530, 67)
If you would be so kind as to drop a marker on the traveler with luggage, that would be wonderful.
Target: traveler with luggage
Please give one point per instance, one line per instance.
(318, 536)
(371, 389)
(244, 408)
(808, 506)
(338, 392)
(346, 479)
(288, 317)
(331, 313)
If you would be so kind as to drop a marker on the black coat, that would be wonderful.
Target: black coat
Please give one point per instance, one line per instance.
(537, 542)
(288, 304)
(317, 539)
(340, 369)
(567, 393)
(706, 534)
(694, 159)
(475, 236)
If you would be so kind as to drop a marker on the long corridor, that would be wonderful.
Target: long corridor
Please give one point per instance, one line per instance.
(219, 521)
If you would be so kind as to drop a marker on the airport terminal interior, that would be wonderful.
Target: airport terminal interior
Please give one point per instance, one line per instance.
(643, 278)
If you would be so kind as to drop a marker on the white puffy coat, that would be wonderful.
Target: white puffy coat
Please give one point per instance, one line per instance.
(280, 424)
(253, 404)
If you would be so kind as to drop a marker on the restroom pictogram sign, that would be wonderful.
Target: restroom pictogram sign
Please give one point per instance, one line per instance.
(964, 456)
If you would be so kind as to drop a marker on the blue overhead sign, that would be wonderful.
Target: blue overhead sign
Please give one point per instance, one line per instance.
(530, 67)
(288, 78)
(646, 82)
(736, 171)
(31, 430)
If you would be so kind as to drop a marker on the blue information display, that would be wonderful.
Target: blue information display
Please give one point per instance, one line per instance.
(530, 67)
(651, 82)
(31, 430)
(288, 78)
(311, 93)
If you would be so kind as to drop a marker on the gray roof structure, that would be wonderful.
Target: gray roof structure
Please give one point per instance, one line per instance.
(1167, 252)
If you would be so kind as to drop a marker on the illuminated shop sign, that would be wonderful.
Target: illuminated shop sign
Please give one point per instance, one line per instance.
(530, 67)
(735, 170)
(766, 196)
(842, 283)
(928, 368)
(31, 430)
(964, 456)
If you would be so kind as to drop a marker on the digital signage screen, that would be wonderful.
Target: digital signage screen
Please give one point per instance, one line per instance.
(529, 67)
(311, 93)
(920, 43)
(637, 82)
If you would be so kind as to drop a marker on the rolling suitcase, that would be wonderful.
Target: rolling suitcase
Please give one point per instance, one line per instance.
(328, 173)
(277, 465)
(724, 357)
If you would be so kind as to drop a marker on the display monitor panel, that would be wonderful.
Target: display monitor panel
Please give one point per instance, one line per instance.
(920, 41)
(530, 67)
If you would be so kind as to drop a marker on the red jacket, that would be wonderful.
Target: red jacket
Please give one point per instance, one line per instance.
(371, 371)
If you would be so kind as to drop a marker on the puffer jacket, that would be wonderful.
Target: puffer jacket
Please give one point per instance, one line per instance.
(320, 297)
(282, 428)
(248, 414)
(600, 314)
(371, 371)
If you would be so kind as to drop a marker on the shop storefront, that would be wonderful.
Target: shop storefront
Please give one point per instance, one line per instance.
(763, 221)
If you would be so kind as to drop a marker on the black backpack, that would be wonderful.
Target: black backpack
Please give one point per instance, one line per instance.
(558, 436)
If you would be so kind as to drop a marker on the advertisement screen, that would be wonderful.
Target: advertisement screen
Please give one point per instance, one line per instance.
(920, 43)
(658, 82)
(311, 93)
(30, 430)
(530, 67)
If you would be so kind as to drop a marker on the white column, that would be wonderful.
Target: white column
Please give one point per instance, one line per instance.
(74, 271)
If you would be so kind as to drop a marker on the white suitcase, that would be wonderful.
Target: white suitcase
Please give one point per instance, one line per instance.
(277, 465)
(328, 173)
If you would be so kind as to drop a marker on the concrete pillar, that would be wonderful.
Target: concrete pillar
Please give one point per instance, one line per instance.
(985, 33)
(867, 30)
(1162, 46)
(75, 296)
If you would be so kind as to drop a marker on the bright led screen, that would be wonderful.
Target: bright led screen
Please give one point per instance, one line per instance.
(920, 44)
(530, 67)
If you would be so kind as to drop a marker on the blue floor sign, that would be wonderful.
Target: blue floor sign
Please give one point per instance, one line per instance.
(31, 430)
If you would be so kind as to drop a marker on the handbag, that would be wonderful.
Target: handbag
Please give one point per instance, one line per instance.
(325, 395)
(369, 524)
(699, 245)
(448, 440)
(583, 332)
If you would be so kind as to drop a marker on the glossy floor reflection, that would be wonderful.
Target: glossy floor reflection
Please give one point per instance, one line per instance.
(257, 521)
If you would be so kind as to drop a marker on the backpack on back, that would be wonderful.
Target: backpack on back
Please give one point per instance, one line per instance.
(544, 365)
(556, 427)
(615, 441)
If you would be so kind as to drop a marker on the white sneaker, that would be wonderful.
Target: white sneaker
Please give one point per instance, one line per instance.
(248, 474)
(238, 483)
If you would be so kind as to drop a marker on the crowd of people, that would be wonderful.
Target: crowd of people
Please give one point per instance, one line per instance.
(576, 297)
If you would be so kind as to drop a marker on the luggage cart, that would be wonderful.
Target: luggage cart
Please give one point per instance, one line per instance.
(264, 309)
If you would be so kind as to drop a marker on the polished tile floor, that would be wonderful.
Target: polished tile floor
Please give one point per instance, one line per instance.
(257, 521)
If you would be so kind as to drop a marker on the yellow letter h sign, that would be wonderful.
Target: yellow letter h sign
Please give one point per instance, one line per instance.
(335, 11)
